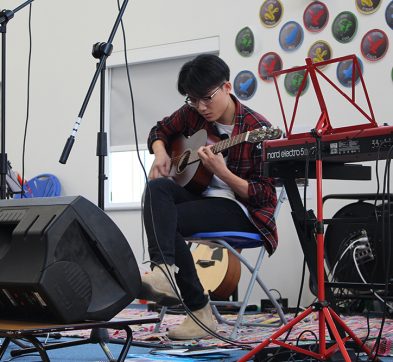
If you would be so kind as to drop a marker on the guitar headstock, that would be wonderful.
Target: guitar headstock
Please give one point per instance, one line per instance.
(264, 133)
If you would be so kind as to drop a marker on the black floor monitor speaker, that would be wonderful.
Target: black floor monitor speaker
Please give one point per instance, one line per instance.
(63, 260)
(361, 242)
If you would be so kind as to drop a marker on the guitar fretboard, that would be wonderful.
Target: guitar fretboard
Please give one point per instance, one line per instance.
(229, 142)
(220, 146)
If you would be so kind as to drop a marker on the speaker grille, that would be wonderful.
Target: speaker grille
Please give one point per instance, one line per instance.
(11, 216)
(77, 280)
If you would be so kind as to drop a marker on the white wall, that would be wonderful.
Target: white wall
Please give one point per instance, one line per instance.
(62, 68)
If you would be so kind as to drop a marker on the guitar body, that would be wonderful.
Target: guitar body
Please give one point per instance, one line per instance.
(187, 169)
(218, 270)
(193, 177)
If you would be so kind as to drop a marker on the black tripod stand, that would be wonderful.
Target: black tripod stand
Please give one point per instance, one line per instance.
(5, 17)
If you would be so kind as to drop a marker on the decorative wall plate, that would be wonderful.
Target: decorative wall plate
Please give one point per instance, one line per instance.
(389, 14)
(345, 71)
(245, 42)
(291, 36)
(315, 16)
(271, 13)
(293, 81)
(344, 27)
(368, 6)
(320, 51)
(245, 85)
(374, 45)
(269, 63)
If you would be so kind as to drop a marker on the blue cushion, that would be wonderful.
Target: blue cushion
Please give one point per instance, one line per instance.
(237, 239)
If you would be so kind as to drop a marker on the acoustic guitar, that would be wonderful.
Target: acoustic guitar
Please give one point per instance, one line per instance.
(218, 270)
(186, 167)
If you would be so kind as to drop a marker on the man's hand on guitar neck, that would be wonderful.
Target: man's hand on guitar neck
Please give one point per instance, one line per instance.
(162, 161)
(216, 164)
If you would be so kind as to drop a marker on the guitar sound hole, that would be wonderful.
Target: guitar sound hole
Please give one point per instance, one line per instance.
(183, 161)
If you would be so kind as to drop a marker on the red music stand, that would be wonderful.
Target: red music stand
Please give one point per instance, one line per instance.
(326, 315)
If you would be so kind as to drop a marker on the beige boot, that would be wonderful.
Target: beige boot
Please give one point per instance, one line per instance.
(157, 288)
(190, 330)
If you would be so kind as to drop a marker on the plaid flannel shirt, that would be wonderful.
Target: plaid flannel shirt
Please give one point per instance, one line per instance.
(244, 160)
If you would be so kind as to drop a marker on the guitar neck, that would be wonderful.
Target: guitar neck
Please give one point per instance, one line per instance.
(229, 142)
(221, 146)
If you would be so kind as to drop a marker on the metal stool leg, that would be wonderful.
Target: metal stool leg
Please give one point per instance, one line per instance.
(161, 316)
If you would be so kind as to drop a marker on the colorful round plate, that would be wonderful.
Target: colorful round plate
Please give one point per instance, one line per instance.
(368, 6)
(271, 13)
(291, 36)
(269, 63)
(245, 85)
(345, 72)
(389, 14)
(319, 52)
(374, 45)
(245, 42)
(315, 16)
(293, 81)
(344, 27)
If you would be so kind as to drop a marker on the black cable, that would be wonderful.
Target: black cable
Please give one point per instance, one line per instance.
(376, 344)
(274, 357)
(133, 118)
(27, 105)
(167, 274)
(365, 339)
(386, 190)
(382, 145)
(136, 136)
(307, 358)
(306, 178)
(376, 217)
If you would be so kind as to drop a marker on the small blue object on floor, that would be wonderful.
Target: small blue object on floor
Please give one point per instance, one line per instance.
(43, 185)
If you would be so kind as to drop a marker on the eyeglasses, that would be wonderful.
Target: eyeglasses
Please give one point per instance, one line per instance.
(194, 102)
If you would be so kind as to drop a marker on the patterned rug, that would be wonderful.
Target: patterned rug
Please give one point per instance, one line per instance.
(303, 332)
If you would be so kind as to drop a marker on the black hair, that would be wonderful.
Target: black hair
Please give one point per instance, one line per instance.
(202, 74)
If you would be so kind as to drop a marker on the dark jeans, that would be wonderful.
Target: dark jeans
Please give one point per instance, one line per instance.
(172, 213)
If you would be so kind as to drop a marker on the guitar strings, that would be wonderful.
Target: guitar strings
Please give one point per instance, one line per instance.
(217, 147)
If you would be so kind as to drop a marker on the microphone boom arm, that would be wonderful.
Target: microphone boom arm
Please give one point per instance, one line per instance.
(103, 51)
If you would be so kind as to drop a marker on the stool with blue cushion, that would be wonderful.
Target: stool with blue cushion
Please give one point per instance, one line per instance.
(233, 240)
(43, 185)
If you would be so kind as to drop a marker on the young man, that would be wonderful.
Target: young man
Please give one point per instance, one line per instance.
(239, 197)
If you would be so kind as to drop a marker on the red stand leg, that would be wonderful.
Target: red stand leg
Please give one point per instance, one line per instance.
(326, 315)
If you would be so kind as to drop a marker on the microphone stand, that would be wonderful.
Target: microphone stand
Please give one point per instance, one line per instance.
(100, 51)
(5, 17)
